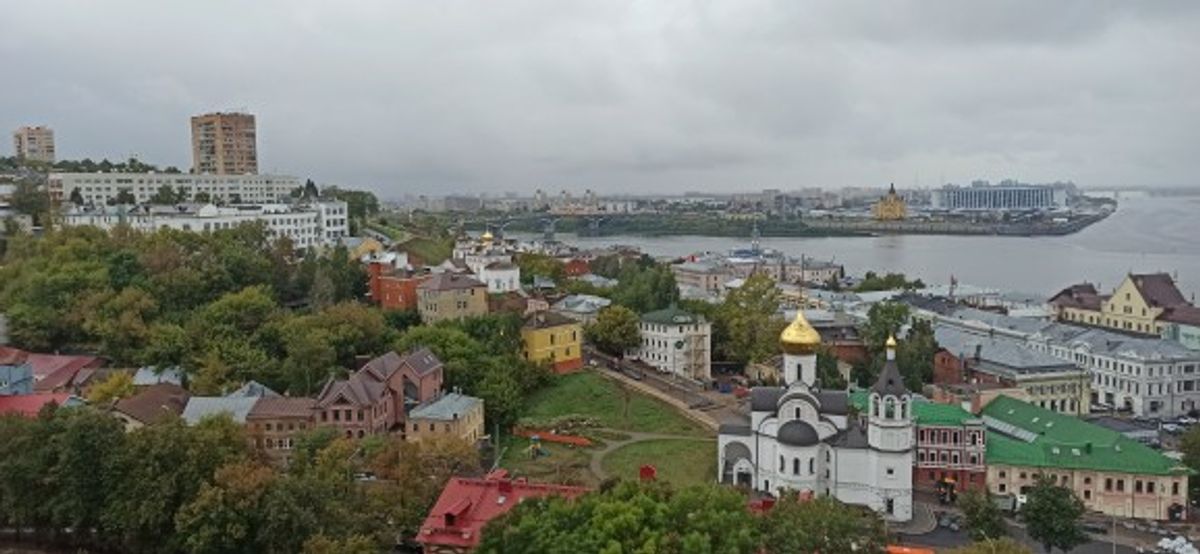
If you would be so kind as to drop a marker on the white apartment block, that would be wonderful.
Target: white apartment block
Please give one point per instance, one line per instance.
(1145, 376)
(99, 188)
(307, 225)
(677, 342)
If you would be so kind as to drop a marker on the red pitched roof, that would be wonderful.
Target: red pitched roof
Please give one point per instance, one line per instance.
(28, 405)
(1187, 315)
(1159, 290)
(1082, 296)
(51, 371)
(467, 505)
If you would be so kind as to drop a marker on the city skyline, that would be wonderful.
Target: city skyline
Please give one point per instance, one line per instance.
(472, 98)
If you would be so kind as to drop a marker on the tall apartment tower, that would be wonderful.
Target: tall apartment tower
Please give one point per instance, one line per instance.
(224, 144)
(34, 143)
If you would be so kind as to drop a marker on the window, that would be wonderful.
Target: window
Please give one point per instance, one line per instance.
(891, 472)
(1002, 475)
(1003, 488)
(1087, 480)
(1120, 485)
(1149, 487)
(1087, 495)
(1022, 474)
(1137, 486)
(1108, 484)
(796, 466)
(782, 465)
(812, 466)
(1175, 488)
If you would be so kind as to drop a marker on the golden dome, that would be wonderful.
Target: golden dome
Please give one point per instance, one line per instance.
(486, 236)
(799, 337)
(891, 342)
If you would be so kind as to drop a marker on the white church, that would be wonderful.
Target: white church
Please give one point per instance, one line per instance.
(801, 438)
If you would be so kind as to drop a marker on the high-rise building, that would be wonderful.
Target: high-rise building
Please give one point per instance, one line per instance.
(224, 144)
(34, 143)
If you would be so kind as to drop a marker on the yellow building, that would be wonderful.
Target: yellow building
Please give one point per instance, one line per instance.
(1143, 303)
(453, 415)
(553, 338)
(891, 207)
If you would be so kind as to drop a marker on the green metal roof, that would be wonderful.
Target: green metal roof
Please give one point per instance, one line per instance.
(1055, 440)
(671, 316)
(924, 412)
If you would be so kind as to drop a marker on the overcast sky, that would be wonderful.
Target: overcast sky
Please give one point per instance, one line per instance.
(494, 96)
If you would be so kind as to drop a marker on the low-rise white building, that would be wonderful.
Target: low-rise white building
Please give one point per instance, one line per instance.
(100, 188)
(1145, 376)
(500, 277)
(316, 224)
(678, 342)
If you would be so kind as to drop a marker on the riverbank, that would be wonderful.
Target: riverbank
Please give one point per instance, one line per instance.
(705, 225)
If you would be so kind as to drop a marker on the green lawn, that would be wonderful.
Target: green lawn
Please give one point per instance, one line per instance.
(681, 462)
(590, 395)
(564, 464)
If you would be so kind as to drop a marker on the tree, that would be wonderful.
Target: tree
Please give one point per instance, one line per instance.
(30, 198)
(629, 517)
(539, 265)
(76, 197)
(117, 386)
(821, 525)
(225, 515)
(746, 320)
(993, 546)
(310, 189)
(884, 320)
(983, 517)
(645, 288)
(828, 374)
(1051, 515)
(165, 195)
(615, 330)
(124, 197)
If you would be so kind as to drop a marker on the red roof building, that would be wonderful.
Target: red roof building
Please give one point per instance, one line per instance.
(466, 505)
(576, 267)
(53, 372)
(28, 405)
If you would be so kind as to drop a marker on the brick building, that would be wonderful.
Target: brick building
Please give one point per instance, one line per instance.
(376, 398)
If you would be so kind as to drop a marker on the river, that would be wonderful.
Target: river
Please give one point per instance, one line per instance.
(1145, 234)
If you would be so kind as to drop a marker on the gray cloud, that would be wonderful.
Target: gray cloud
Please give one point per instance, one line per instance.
(625, 96)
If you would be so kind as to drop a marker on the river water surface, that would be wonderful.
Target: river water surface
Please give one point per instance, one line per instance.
(1145, 234)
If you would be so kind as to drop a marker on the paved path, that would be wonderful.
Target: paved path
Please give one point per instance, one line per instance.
(596, 464)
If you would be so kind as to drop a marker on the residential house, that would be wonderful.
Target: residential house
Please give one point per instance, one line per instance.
(456, 521)
(454, 415)
(581, 307)
(1109, 472)
(274, 422)
(29, 405)
(576, 267)
(677, 342)
(1147, 304)
(500, 277)
(554, 339)
(394, 289)
(16, 375)
(151, 403)
(54, 372)
(597, 281)
(235, 407)
(703, 276)
(363, 247)
(451, 296)
(376, 398)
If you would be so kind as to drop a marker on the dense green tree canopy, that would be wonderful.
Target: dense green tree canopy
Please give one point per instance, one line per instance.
(983, 517)
(615, 330)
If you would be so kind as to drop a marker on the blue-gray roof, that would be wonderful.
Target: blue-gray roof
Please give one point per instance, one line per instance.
(1007, 352)
(447, 408)
(199, 407)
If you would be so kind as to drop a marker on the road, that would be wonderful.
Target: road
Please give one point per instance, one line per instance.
(943, 539)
